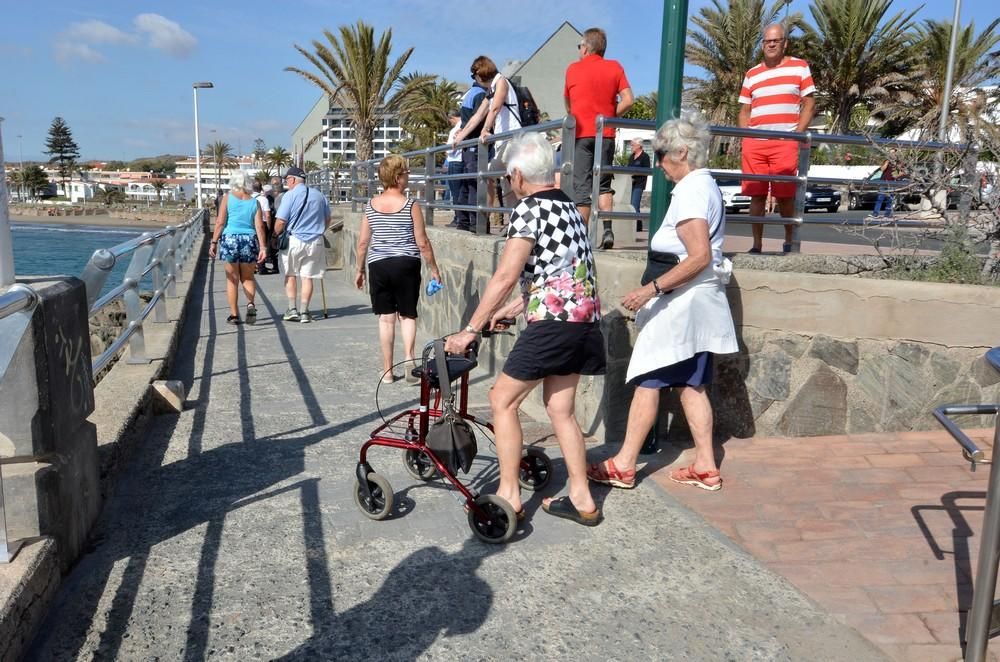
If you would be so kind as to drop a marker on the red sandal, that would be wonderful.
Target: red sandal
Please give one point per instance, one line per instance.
(688, 476)
(606, 472)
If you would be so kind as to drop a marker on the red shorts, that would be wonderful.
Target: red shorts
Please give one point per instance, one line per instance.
(770, 157)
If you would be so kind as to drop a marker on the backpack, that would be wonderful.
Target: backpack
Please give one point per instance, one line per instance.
(527, 110)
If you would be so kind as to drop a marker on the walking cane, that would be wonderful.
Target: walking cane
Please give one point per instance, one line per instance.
(322, 291)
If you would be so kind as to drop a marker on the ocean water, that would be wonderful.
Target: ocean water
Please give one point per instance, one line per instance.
(63, 250)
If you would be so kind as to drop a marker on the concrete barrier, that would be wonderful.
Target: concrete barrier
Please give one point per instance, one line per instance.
(821, 354)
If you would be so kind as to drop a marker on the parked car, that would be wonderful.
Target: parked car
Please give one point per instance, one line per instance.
(822, 196)
(863, 194)
(732, 194)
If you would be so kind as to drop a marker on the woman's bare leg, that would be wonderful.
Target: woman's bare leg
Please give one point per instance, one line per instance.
(505, 398)
(559, 393)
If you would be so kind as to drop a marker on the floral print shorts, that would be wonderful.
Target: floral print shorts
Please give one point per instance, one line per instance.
(239, 248)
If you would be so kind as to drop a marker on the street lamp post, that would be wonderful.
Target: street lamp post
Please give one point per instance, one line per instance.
(6, 241)
(197, 140)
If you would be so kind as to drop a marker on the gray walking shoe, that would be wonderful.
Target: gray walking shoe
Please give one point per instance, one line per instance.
(305, 318)
(291, 315)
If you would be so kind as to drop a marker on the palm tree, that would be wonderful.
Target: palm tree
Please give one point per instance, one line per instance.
(221, 155)
(977, 66)
(158, 186)
(336, 164)
(858, 55)
(310, 166)
(279, 157)
(725, 42)
(359, 76)
(263, 176)
(424, 115)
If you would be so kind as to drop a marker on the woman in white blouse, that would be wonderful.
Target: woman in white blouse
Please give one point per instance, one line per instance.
(683, 314)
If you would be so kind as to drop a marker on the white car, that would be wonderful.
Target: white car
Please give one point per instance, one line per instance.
(732, 194)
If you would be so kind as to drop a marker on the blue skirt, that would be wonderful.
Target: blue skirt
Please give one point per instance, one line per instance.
(695, 371)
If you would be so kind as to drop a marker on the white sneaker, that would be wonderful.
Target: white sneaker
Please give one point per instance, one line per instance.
(305, 317)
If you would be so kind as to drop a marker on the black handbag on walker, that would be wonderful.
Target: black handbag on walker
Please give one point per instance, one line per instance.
(450, 437)
(659, 263)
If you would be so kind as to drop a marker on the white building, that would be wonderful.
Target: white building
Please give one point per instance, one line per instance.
(187, 170)
(338, 138)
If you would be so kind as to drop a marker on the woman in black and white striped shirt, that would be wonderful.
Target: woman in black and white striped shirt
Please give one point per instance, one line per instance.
(391, 243)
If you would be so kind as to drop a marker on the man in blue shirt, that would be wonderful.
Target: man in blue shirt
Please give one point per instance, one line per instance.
(470, 155)
(305, 214)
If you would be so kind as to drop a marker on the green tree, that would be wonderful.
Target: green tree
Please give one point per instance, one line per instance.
(220, 154)
(858, 54)
(310, 166)
(644, 107)
(259, 151)
(725, 42)
(278, 157)
(115, 165)
(110, 196)
(424, 114)
(360, 76)
(63, 150)
(977, 66)
(33, 179)
(263, 176)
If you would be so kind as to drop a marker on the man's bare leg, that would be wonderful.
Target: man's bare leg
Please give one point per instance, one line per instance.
(757, 203)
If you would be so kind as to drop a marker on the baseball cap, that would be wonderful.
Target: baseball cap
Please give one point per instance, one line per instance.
(295, 172)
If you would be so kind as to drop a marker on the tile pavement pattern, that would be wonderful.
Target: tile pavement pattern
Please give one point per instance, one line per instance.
(882, 530)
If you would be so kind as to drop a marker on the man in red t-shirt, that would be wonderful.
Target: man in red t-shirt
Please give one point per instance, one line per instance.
(594, 86)
(776, 95)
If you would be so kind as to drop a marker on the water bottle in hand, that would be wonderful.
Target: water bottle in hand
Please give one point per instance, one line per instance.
(434, 287)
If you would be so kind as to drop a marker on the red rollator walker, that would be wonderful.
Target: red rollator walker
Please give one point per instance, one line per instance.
(491, 518)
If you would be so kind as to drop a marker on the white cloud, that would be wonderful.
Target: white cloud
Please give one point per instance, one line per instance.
(166, 35)
(98, 32)
(68, 53)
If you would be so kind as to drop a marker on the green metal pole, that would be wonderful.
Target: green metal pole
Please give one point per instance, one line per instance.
(668, 106)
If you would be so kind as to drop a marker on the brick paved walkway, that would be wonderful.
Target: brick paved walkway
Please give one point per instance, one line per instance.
(882, 530)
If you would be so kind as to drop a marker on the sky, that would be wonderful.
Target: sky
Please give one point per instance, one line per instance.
(120, 73)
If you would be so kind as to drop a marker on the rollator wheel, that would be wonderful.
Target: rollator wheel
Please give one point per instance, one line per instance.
(419, 465)
(536, 470)
(379, 505)
(498, 522)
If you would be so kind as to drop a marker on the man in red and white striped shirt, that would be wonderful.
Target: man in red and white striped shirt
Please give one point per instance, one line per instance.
(777, 95)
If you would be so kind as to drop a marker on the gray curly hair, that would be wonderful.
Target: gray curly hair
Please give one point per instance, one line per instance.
(689, 131)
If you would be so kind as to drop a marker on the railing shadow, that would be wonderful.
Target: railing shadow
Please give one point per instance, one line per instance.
(960, 551)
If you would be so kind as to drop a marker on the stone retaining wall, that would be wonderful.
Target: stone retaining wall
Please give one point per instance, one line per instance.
(821, 354)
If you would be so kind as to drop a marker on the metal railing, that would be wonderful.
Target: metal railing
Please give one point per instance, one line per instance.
(805, 142)
(160, 255)
(432, 181)
(985, 612)
(17, 298)
(364, 183)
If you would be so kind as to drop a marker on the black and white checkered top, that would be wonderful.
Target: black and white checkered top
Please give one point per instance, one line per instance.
(558, 280)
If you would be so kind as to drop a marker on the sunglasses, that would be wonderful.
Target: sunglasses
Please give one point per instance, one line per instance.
(772, 42)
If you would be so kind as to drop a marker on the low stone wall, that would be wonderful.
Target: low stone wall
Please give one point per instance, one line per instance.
(820, 354)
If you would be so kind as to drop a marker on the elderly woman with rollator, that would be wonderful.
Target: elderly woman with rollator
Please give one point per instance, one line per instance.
(547, 249)
(682, 312)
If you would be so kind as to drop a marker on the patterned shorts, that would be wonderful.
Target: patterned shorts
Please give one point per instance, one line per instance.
(239, 248)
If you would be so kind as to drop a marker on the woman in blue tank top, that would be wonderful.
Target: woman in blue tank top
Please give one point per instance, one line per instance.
(238, 240)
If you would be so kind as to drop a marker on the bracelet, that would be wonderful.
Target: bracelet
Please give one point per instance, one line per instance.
(215, 241)
(656, 287)
(470, 329)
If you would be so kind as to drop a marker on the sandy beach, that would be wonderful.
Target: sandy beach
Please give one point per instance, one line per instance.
(103, 221)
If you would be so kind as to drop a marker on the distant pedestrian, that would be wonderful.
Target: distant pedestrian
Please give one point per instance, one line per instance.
(265, 208)
(473, 112)
(638, 159)
(304, 214)
(777, 95)
(238, 240)
(885, 198)
(390, 244)
(595, 86)
(453, 161)
(682, 314)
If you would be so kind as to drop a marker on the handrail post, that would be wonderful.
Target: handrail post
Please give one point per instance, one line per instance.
(595, 195)
(133, 304)
(96, 273)
(981, 613)
(482, 188)
(8, 548)
(568, 155)
(429, 195)
(163, 253)
(173, 255)
(805, 149)
(372, 188)
(354, 187)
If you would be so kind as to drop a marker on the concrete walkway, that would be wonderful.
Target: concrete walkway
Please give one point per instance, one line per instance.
(232, 534)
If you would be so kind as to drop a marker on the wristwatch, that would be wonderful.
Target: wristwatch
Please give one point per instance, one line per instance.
(656, 287)
(469, 329)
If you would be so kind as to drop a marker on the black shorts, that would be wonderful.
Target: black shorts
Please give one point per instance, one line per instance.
(583, 168)
(394, 285)
(552, 347)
